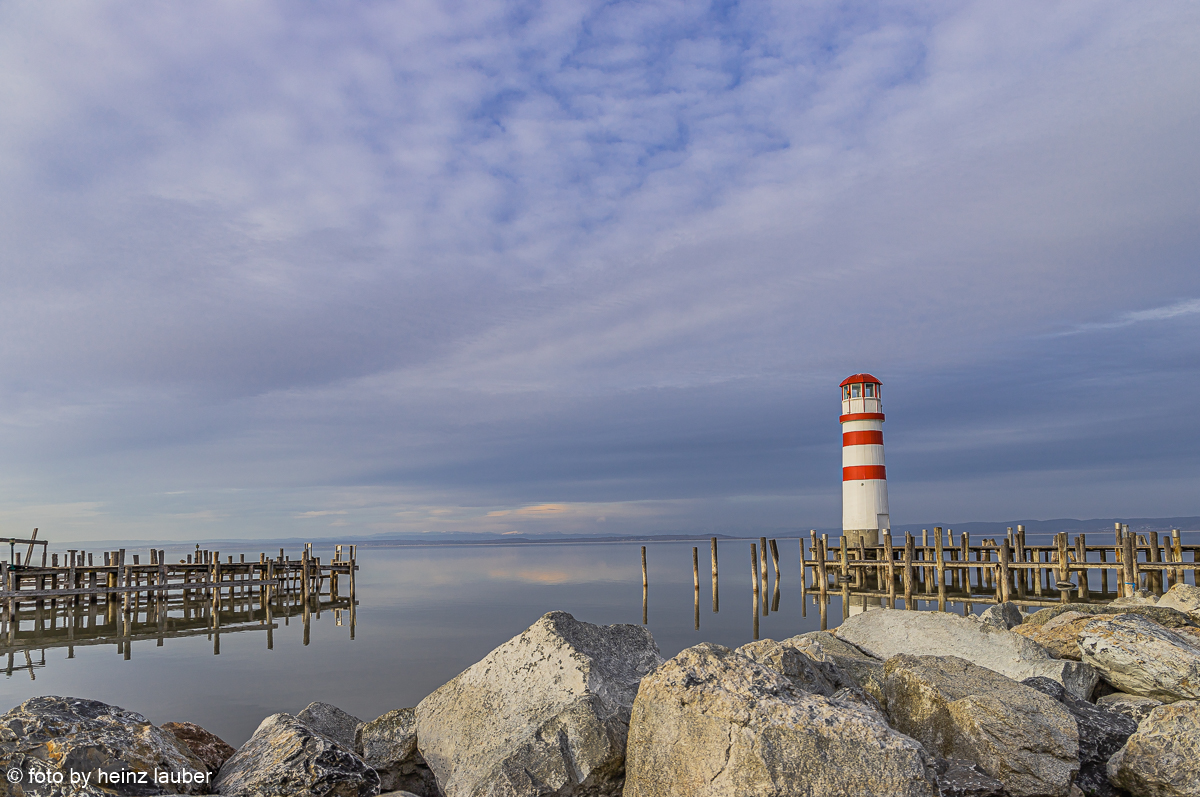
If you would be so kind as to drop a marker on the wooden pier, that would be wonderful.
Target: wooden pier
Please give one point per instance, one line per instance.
(951, 567)
(116, 597)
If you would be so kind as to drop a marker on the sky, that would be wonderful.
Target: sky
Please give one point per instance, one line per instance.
(310, 270)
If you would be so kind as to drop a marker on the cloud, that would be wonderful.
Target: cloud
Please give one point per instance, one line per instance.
(440, 266)
(1182, 308)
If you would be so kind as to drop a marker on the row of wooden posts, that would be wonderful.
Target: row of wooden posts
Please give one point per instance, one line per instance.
(996, 570)
(199, 579)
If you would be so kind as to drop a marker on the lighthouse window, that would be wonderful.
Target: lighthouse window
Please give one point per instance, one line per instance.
(869, 391)
(845, 392)
(854, 391)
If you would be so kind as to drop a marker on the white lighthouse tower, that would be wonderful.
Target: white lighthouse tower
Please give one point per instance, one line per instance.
(864, 480)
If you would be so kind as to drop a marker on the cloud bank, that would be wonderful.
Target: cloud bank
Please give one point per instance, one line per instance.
(434, 266)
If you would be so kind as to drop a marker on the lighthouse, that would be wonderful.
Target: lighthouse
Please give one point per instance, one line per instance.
(864, 480)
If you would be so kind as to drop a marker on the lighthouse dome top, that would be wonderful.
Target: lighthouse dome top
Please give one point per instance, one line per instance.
(860, 378)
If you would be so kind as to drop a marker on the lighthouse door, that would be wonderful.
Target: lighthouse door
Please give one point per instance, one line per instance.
(884, 522)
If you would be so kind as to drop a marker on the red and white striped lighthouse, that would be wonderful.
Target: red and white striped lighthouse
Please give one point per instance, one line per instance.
(864, 480)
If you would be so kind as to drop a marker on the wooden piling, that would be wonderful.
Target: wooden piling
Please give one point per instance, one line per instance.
(762, 566)
(754, 568)
(908, 571)
(775, 558)
(890, 557)
(716, 602)
(645, 582)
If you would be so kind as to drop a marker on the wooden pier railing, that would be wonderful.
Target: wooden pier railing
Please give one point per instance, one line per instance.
(197, 594)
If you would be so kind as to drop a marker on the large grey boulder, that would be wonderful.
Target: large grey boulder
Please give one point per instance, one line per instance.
(1004, 616)
(546, 713)
(1017, 735)
(207, 746)
(1102, 732)
(1133, 706)
(713, 723)
(958, 777)
(1141, 657)
(1163, 758)
(1060, 635)
(287, 758)
(884, 634)
(331, 721)
(1166, 616)
(810, 674)
(389, 745)
(822, 646)
(1184, 598)
(47, 739)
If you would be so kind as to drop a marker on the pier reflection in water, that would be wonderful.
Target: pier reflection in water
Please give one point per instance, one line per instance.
(81, 605)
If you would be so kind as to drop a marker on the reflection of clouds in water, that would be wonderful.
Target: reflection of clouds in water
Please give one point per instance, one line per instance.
(531, 576)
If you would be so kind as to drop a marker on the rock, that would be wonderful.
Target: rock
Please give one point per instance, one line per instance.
(1141, 657)
(712, 722)
(884, 634)
(399, 794)
(1140, 599)
(546, 713)
(389, 745)
(331, 721)
(865, 671)
(208, 747)
(1060, 635)
(1004, 616)
(1163, 758)
(1184, 598)
(958, 777)
(1132, 706)
(287, 758)
(1102, 732)
(1043, 616)
(1017, 735)
(53, 737)
(804, 672)
(1165, 616)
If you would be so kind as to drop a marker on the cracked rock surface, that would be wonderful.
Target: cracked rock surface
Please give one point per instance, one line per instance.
(546, 713)
(1163, 758)
(713, 723)
(48, 736)
(1140, 657)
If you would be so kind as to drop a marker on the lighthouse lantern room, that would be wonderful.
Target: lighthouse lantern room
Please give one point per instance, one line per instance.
(864, 480)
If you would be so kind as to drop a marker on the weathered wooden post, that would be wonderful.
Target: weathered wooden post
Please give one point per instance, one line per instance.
(803, 579)
(1005, 558)
(1081, 558)
(1129, 567)
(762, 566)
(1154, 578)
(696, 585)
(889, 555)
(822, 573)
(775, 558)
(940, 562)
(908, 570)
(645, 582)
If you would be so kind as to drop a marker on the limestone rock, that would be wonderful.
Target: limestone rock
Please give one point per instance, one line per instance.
(208, 747)
(789, 661)
(331, 721)
(1102, 732)
(1140, 599)
(49, 737)
(1141, 657)
(822, 646)
(1163, 758)
(1060, 635)
(287, 758)
(711, 722)
(1004, 616)
(1166, 616)
(958, 777)
(1184, 598)
(546, 713)
(1132, 706)
(884, 634)
(389, 745)
(1017, 735)
(1043, 616)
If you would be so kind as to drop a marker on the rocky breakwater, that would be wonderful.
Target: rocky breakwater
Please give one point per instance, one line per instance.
(891, 703)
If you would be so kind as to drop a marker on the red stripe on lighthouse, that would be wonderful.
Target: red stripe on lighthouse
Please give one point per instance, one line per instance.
(861, 416)
(868, 438)
(863, 472)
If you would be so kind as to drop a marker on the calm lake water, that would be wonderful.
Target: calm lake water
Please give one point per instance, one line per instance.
(424, 615)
